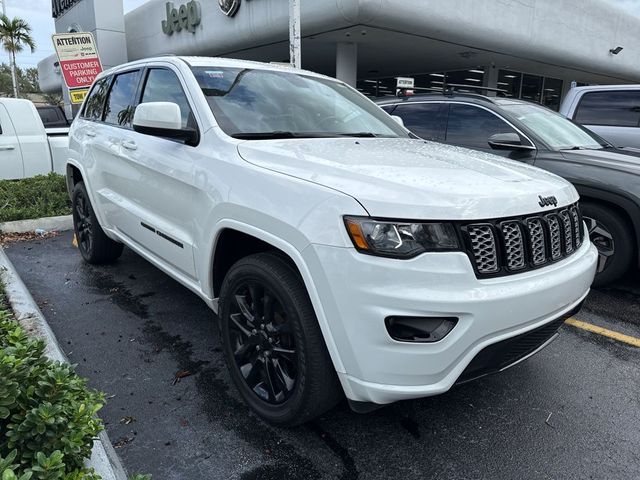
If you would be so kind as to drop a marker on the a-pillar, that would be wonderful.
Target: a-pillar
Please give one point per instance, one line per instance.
(347, 62)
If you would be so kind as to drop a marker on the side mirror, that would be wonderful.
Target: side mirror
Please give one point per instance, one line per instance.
(508, 141)
(398, 120)
(163, 119)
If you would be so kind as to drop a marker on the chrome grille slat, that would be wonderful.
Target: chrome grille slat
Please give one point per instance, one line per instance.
(514, 245)
(568, 231)
(502, 247)
(537, 241)
(554, 234)
(484, 248)
(576, 226)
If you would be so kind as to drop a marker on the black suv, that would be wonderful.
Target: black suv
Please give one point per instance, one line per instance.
(607, 178)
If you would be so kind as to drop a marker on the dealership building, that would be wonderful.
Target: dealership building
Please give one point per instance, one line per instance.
(529, 49)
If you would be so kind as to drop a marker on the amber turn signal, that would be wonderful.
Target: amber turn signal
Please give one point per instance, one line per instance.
(356, 235)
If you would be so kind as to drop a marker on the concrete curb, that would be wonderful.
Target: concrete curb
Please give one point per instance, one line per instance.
(59, 224)
(104, 459)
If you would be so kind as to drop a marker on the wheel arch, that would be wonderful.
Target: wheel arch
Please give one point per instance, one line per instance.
(626, 207)
(258, 240)
(74, 176)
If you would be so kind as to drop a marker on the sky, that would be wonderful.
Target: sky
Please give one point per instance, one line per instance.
(38, 14)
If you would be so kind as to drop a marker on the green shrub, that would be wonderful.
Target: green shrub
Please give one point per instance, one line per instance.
(47, 413)
(36, 197)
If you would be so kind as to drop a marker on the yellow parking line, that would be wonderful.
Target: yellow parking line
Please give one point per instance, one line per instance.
(620, 337)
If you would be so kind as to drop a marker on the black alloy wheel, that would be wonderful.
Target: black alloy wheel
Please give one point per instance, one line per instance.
(82, 214)
(603, 240)
(94, 245)
(272, 341)
(611, 234)
(263, 344)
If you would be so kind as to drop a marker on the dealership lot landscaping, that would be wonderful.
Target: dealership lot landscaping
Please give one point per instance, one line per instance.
(153, 347)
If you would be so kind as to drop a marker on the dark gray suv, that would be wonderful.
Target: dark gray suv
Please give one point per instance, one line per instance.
(607, 178)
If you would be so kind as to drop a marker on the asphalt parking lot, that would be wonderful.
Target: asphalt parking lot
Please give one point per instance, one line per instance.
(572, 411)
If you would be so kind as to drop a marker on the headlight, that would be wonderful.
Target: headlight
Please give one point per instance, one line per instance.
(400, 239)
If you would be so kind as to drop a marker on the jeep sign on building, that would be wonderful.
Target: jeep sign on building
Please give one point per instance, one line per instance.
(185, 17)
(369, 43)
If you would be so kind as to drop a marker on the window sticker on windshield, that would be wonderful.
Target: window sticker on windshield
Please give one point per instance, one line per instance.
(214, 73)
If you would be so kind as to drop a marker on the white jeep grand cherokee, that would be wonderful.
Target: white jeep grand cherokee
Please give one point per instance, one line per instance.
(341, 253)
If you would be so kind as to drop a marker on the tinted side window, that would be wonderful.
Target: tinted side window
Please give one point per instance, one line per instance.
(163, 86)
(48, 115)
(427, 120)
(620, 109)
(471, 126)
(388, 108)
(120, 104)
(52, 117)
(94, 104)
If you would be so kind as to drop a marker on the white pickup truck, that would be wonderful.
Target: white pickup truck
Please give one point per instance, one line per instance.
(342, 255)
(26, 147)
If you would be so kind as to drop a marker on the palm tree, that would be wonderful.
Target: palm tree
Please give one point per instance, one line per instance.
(14, 35)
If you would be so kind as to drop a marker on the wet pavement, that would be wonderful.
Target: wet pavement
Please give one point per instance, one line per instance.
(570, 412)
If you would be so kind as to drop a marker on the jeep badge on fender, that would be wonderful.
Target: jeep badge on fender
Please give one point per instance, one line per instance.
(547, 201)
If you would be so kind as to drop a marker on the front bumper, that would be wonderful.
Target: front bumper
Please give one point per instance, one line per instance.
(358, 292)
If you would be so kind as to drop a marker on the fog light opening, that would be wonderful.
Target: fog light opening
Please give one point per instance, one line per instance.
(419, 329)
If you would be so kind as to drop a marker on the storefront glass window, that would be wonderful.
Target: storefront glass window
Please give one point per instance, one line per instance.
(534, 88)
(510, 83)
(531, 88)
(551, 93)
(471, 78)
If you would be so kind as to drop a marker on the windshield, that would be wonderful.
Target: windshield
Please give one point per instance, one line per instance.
(255, 104)
(554, 129)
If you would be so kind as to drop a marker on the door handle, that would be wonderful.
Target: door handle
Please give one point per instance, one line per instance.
(90, 133)
(7, 147)
(130, 145)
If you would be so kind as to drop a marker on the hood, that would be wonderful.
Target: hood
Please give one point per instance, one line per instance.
(413, 179)
(624, 160)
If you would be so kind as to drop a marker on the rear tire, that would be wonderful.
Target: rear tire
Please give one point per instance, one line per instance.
(613, 238)
(272, 342)
(94, 245)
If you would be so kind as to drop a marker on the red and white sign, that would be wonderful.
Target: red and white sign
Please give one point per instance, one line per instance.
(78, 57)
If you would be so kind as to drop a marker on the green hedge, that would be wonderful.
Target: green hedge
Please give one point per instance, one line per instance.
(36, 197)
(47, 414)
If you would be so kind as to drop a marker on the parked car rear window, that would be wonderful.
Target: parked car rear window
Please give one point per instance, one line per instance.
(95, 102)
(610, 108)
(427, 120)
(471, 126)
(164, 86)
(52, 117)
(120, 104)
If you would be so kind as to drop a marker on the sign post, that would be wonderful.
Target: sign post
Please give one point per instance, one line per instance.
(294, 34)
(79, 62)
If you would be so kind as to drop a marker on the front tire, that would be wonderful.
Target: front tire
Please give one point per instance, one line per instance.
(273, 345)
(611, 235)
(94, 245)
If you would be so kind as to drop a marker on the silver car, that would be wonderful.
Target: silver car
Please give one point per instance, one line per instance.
(611, 111)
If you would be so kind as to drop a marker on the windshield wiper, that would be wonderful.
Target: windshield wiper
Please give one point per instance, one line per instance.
(601, 147)
(278, 134)
(358, 134)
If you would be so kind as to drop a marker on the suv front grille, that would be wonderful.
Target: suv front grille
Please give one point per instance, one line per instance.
(508, 246)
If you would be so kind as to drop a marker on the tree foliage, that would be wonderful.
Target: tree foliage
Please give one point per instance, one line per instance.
(15, 35)
(27, 81)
